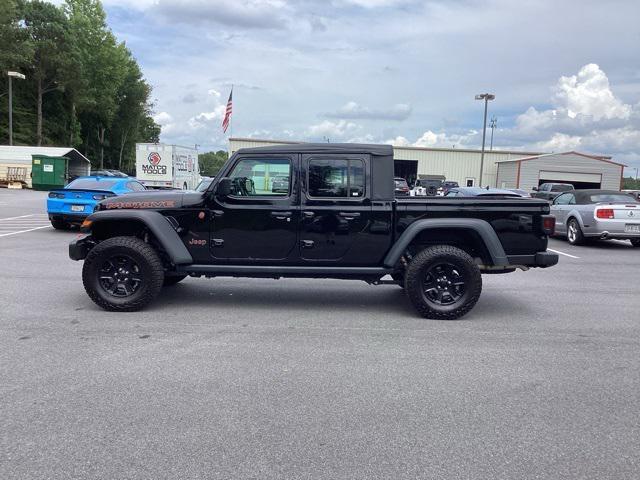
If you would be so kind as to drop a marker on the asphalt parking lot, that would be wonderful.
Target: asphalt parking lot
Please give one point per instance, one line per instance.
(248, 378)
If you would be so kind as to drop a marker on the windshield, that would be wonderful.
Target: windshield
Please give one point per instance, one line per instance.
(561, 188)
(612, 197)
(91, 184)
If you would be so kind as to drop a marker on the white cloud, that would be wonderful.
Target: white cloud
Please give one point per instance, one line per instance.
(399, 141)
(589, 93)
(559, 142)
(332, 130)
(162, 118)
(353, 110)
(587, 116)
(207, 119)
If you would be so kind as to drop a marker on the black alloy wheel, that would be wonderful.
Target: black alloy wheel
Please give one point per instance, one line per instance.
(120, 276)
(443, 284)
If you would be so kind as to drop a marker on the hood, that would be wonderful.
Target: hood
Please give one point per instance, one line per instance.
(154, 199)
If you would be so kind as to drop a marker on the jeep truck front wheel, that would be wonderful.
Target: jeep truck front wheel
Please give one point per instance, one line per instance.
(443, 282)
(122, 274)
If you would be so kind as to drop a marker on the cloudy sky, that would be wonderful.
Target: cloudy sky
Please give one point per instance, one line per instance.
(566, 74)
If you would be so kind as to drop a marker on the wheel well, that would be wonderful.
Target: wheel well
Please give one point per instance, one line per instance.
(464, 239)
(112, 228)
(129, 228)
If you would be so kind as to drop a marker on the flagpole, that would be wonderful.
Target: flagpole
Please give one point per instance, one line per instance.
(231, 119)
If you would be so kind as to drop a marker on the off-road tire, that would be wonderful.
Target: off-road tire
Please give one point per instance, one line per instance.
(576, 238)
(170, 280)
(431, 258)
(60, 224)
(150, 266)
(635, 242)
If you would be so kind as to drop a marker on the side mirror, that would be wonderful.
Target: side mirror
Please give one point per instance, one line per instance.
(224, 187)
(535, 189)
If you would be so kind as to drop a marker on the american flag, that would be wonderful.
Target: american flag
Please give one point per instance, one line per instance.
(227, 114)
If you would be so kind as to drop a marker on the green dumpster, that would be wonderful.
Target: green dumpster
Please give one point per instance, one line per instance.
(49, 173)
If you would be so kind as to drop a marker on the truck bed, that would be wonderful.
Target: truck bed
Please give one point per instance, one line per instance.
(517, 221)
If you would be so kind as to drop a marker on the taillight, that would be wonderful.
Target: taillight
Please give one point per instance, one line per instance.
(56, 195)
(605, 213)
(549, 224)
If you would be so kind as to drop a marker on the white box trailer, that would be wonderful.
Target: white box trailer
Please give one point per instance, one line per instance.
(159, 165)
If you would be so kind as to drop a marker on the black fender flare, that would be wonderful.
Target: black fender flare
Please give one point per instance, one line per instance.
(484, 230)
(156, 223)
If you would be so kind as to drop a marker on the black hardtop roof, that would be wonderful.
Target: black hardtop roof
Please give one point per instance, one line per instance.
(371, 149)
(581, 194)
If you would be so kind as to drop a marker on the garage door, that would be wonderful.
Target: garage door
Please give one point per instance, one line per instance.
(570, 177)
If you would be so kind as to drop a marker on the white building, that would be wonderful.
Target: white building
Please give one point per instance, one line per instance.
(579, 169)
(463, 165)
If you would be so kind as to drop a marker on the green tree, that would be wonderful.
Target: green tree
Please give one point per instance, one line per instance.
(630, 183)
(47, 36)
(211, 162)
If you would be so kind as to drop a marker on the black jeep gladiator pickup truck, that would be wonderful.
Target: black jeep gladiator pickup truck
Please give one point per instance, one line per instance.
(312, 211)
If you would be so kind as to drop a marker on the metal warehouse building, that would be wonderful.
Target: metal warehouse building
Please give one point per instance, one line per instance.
(579, 169)
(502, 168)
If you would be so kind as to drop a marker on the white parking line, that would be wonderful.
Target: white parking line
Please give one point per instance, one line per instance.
(562, 253)
(22, 216)
(23, 231)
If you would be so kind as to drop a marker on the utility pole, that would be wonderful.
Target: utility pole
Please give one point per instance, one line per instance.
(22, 77)
(486, 97)
(492, 125)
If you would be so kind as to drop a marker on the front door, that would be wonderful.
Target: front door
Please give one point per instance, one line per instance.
(336, 208)
(259, 220)
(560, 209)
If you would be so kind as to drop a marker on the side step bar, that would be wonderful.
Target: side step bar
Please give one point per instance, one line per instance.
(282, 271)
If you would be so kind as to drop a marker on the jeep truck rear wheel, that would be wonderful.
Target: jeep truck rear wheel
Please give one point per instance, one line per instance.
(443, 282)
(122, 274)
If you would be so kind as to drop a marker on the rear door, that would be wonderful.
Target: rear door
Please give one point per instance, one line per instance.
(336, 208)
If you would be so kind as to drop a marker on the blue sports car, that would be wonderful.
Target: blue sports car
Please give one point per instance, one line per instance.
(72, 204)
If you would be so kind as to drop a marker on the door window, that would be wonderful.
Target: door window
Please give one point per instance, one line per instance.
(565, 199)
(257, 177)
(336, 178)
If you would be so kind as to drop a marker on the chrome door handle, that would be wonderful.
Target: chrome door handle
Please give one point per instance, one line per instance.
(349, 215)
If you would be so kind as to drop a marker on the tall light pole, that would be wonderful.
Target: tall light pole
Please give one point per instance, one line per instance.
(11, 76)
(492, 125)
(486, 97)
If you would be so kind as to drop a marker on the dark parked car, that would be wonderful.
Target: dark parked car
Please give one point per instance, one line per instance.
(448, 185)
(519, 191)
(339, 218)
(549, 191)
(401, 187)
(280, 184)
(480, 192)
(108, 173)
